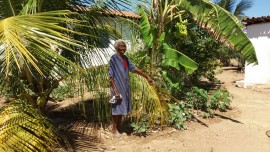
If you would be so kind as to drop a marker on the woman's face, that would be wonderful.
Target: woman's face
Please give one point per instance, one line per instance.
(121, 48)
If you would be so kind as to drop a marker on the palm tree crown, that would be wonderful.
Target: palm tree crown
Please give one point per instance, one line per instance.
(235, 8)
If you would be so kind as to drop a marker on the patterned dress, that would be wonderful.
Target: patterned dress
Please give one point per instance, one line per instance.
(120, 74)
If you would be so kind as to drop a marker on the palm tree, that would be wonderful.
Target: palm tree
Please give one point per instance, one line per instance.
(235, 8)
(32, 65)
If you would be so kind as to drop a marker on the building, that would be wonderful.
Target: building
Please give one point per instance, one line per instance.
(258, 31)
(118, 20)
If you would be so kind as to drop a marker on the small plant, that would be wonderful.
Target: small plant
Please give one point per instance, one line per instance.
(67, 90)
(61, 92)
(179, 114)
(140, 127)
(199, 99)
(220, 100)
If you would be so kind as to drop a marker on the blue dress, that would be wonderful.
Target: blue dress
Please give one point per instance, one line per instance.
(121, 79)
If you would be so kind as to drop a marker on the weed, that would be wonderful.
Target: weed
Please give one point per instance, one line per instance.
(220, 100)
(179, 114)
(140, 127)
(201, 100)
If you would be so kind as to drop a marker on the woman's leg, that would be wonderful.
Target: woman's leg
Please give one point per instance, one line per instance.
(119, 120)
(116, 124)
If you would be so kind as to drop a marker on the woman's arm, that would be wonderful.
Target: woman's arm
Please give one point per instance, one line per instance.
(115, 90)
(140, 72)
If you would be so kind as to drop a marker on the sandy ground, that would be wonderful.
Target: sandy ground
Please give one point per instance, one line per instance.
(244, 131)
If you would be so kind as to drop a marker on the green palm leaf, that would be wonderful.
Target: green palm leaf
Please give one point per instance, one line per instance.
(45, 31)
(221, 24)
(241, 7)
(226, 4)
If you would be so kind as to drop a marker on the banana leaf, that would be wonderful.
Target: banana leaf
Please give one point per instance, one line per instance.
(221, 24)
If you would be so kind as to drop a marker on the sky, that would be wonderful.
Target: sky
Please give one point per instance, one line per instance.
(260, 8)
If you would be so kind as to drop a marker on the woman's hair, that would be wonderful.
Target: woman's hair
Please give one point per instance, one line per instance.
(116, 43)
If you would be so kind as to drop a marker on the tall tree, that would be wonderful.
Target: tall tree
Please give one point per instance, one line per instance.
(237, 9)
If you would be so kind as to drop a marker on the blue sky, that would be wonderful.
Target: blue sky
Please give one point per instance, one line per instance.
(259, 8)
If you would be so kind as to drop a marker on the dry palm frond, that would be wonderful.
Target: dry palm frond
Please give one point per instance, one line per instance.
(24, 128)
(145, 100)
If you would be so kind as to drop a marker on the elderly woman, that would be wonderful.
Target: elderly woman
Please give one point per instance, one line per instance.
(119, 68)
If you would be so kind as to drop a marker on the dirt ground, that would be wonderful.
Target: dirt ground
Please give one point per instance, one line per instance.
(243, 129)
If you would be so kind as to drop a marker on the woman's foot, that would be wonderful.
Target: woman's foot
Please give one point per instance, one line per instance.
(116, 133)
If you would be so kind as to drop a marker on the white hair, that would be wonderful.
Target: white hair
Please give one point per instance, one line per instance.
(117, 42)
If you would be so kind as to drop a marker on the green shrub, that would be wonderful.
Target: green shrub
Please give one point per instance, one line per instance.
(179, 113)
(201, 100)
(220, 100)
(140, 127)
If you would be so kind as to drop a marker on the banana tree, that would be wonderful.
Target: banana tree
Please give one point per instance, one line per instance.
(221, 24)
(152, 27)
(165, 16)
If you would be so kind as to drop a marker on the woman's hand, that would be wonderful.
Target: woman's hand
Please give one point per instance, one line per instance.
(139, 71)
(117, 96)
(151, 81)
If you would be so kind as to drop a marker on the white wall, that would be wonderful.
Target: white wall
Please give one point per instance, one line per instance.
(259, 35)
(101, 56)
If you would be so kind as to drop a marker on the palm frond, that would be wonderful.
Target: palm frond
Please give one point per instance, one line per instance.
(45, 31)
(24, 128)
(146, 101)
(225, 27)
(30, 7)
(226, 4)
(242, 6)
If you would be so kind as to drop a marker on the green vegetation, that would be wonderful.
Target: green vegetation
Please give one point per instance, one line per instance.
(23, 127)
(43, 57)
(140, 127)
(179, 114)
(237, 9)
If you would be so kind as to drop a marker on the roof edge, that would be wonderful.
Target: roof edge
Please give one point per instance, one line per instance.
(256, 20)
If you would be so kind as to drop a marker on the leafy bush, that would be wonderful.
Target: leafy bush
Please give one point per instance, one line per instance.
(220, 100)
(62, 92)
(200, 99)
(179, 114)
(68, 89)
(140, 127)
